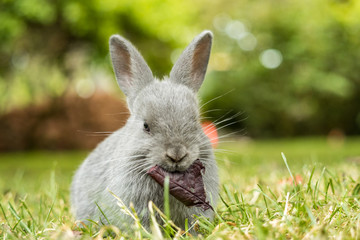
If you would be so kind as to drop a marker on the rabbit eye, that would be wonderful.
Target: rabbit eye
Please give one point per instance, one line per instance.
(146, 127)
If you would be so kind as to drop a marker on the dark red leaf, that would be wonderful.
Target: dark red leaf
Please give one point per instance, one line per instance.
(187, 186)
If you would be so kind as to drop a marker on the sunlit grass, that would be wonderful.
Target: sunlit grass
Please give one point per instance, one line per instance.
(258, 196)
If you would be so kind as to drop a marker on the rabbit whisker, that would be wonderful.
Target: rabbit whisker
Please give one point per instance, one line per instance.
(215, 98)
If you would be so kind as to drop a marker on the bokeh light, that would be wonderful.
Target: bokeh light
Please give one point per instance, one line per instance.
(236, 29)
(271, 58)
(248, 42)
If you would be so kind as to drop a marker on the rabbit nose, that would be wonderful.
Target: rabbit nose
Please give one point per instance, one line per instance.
(176, 154)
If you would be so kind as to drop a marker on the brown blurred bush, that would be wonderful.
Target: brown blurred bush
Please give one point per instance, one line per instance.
(69, 122)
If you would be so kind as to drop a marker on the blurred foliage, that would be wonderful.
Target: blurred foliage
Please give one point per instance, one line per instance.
(293, 64)
(316, 87)
(46, 47)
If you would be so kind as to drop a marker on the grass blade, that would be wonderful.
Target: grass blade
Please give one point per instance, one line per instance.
(2, 210)
(23, 225)
(311, 216)
(28, 211)
(103, 213)
(288, 168)
(166, 197)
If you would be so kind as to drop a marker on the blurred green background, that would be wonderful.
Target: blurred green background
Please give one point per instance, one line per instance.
(283, 68)
(284, 76)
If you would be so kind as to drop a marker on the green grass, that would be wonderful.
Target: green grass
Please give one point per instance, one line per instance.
(258, 197)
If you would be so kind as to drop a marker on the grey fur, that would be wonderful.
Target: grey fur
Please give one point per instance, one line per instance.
(175, 140)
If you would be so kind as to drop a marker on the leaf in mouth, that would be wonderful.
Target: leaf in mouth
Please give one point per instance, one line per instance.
(187, 186)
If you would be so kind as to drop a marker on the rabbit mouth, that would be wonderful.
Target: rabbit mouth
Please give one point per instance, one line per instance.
(177, 167)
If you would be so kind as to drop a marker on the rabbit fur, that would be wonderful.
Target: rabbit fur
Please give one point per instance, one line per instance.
(163, 129)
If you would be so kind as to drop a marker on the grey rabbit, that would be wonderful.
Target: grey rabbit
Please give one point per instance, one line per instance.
(163, 129)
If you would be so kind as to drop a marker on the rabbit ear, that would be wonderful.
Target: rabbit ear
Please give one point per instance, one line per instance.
(191, 66)
(131, 71)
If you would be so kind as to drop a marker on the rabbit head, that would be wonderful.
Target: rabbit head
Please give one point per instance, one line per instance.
(165, 115)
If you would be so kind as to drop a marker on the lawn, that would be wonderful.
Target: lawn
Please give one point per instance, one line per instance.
(314, 194)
